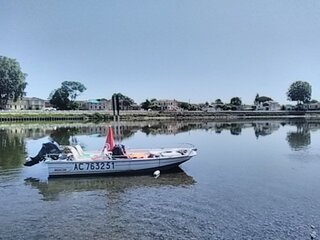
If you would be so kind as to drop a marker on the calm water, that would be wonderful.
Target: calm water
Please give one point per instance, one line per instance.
(250, 180)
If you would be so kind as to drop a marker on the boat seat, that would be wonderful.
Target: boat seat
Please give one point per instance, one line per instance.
(74, 152)
(81, 152)
(79, 149)
(90, 155)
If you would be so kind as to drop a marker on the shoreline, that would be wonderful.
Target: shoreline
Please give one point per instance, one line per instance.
(38, 115)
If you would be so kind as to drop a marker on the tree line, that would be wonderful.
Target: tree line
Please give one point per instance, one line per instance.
(13, 84)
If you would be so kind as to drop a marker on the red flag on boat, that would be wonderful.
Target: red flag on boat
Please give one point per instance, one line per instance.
(110, 140)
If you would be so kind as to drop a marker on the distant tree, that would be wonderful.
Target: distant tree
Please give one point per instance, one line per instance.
(299, 91)
(125, 101)
(73, 88)
(193, 107)
(184, 105)
(124, 98)
(146, 104)
(218, 101)
(60, 99)
(227, 107)
(64, 97)
(154, 105)
(207, 104)
(74, 105)
(12, 80)
(236, 101)
(261, 99)
(264, 99)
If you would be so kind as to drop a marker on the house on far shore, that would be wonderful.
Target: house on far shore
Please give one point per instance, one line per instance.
(82, 105)
(105, 104)
(134, 107)
(20, 104)
(289, 107)
(213, 107)
(167, 105)
(246, 107)
(268, 106)
(312, 106)
(264, 103)
(26, 103)
(99, 104)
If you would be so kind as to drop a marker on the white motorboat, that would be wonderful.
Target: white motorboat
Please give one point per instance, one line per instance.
(72, 160)
(113, 159)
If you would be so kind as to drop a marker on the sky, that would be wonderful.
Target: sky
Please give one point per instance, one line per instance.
(188, 50)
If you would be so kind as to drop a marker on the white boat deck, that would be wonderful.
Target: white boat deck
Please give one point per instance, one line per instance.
(76, 153)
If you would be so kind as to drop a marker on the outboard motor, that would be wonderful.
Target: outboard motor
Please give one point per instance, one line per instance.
(48, 148)
(119, 151)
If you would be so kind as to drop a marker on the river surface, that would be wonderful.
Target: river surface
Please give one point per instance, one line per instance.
(250, 180)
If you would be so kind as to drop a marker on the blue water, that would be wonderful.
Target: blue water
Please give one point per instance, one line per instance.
(250, 180)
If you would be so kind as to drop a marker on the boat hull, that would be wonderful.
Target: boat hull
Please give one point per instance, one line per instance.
(113, 167)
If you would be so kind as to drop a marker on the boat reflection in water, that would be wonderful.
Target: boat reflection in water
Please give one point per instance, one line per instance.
(52, 188)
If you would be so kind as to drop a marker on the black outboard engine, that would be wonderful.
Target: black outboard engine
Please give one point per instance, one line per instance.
(119, 151)
(48, 148)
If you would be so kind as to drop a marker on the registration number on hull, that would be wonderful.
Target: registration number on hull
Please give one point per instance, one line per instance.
(86, 166)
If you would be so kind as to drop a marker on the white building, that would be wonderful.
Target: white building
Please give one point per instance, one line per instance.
(167, 105)
(312, 106)
(26, 103)
(268, 106)
(99, 104)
